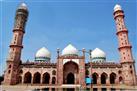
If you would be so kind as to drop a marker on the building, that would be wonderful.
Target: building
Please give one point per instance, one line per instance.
(70, 67)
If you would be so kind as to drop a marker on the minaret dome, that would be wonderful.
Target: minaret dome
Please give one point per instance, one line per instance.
(117, 7)
(23, 6)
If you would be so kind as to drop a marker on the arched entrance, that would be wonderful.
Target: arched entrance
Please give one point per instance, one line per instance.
(27, 77)
(53, 80)
(103, 78)
(20, 79)
(46, 78)
(36, 78)
(70, 78)
(70, 73)
(95, 77)
(120, 80)
(112, 78)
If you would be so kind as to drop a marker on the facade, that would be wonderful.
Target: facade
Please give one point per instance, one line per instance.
(70, 67)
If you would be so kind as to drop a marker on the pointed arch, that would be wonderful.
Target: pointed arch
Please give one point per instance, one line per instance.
(103, 78)
(53, 80)
(36, 77)
(46, 78)
(112, 78)
(27, 77)
(95, 77)
(120, 80)
(20, 79)
(53, 72)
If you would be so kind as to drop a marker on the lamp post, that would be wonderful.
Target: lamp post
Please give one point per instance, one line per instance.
(90, 57)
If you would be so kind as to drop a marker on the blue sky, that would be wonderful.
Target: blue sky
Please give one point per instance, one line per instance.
(54, 24)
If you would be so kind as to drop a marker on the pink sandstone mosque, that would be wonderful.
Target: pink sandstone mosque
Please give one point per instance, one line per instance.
(69, 67)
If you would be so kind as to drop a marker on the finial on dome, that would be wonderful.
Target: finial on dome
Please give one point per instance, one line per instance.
(117, 7)
(23, 6)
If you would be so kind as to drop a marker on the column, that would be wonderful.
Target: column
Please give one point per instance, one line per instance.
(32, 80)
(41, 79)
(50, 82)
(116, 80)
(22, 79)
(99, 80)
(108, 80)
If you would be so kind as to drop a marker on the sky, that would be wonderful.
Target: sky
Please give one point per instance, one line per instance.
(54, 24)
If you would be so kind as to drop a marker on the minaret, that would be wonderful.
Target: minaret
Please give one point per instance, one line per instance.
(14, 57)
(126, 58)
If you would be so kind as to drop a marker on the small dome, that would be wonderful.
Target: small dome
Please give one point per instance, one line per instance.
(70, 50)
(117, 7)
(23, 6)
(43, 55)
(98, 55)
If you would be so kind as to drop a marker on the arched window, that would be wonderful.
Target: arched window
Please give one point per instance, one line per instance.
(27, 77)
(130, 66)
(103, 78)
(9, 71)
(53, 80)
(46, 78)
(95, 77)
(37, 77)
(20, 79)
(21, 72)
(112, 78)
(10, 66)
(119, 72)
(120, 80)
(53, 72)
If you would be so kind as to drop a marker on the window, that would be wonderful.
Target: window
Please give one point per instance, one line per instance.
(53, 72)
(131, 71)
(130, 66)
(9, 66)
(9, 71)
(87, 72)
(124, 57)
(119, 72)
(21, 72)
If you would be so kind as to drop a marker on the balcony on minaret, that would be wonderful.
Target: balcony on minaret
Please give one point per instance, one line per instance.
(122, 30)
(125, 46)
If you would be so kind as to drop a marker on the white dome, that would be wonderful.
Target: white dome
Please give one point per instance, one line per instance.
(98, 53)
(43, 52)
(117, 7)
(70, 50)
(23, 6)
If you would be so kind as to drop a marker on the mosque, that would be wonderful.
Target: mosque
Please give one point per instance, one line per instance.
(70, 66)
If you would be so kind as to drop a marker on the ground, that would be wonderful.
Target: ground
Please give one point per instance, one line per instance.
(30, 88)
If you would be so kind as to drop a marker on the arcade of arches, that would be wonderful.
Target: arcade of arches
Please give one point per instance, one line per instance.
(105, 78)
(38, 78)
(70, 74)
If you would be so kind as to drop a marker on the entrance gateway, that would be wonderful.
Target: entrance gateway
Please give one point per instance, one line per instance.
(70, 73)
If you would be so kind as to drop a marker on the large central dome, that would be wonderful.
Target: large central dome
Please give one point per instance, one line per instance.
(70, 50)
